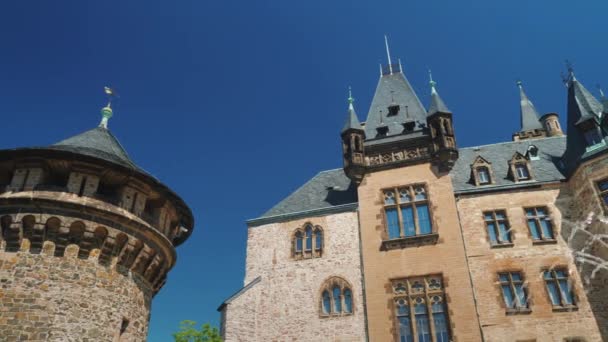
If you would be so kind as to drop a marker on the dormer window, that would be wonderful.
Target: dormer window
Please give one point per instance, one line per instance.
(382, 131)
(393, 110)
(481, 172)
(483, 175)
(409, 126)
(592, 136)
(522, 172)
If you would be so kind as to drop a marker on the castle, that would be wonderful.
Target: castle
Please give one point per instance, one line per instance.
(417, 239)
(88, 238)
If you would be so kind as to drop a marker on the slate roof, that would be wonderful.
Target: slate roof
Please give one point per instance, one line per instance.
(328, 191)
(393, 89)
(437, 105)
(352, 121)
(239, 292)
(582, 106)
(546, 169)
(529, 115)
(99, 143)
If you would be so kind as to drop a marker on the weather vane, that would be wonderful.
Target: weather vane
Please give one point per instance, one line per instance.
(111, 94)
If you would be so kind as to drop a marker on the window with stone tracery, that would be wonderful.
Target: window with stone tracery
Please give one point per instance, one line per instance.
(407, 211)
(336, 298)
(307, 242)
(420, 309)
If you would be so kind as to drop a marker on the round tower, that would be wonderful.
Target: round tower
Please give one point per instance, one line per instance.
(88, 238)
(551, 123)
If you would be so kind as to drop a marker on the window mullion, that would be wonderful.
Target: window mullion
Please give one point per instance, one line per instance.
(431, 319)
(399, 216)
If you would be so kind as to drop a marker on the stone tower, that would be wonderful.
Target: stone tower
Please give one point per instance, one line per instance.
(88, 238)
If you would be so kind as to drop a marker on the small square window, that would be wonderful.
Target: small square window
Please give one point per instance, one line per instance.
(382, 131)
(393, 110)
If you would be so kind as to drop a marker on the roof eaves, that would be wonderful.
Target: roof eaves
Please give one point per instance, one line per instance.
(239, 292)
(301, 214)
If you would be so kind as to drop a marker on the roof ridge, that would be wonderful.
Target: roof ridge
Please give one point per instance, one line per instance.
(513, 142)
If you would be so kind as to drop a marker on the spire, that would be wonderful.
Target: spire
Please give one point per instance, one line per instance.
(352, 122)
(388, 54)
(529, 115)
(604, 101)
(437, 104)
(106, 112)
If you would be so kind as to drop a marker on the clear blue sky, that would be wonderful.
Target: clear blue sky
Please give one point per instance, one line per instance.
(234, 104)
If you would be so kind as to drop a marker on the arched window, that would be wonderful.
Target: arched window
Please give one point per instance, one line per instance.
(336, 298)
(337, 294)
(298, 242)
(326, 302)
(348, 301)
(318, 239)
(307, 242)
(308, 232)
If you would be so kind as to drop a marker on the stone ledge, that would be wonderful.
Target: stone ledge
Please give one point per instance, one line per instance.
(404, 242)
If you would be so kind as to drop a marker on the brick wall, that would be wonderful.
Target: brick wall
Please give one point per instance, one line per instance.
(48, 298)
(542, 322)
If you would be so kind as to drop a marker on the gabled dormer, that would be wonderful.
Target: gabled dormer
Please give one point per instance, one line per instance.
(520, 168)
(481, 172)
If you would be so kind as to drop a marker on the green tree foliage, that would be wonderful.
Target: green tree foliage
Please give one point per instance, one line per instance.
(188, 332)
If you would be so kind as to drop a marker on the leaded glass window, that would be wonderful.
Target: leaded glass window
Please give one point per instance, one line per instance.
(559, 288)
(420, 309)
(336, 298)
(308, 242)
(513, 290)
(540, 224)
(407, 211)
(497, 227)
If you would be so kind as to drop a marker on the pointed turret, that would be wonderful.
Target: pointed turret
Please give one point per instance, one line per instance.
(585, 138)
(352, 143)
(443, 149)
(437, 104)
(352, 121)
(529, 115)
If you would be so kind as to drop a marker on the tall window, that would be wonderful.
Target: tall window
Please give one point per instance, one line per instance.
(603, 187)
(539, 223)
(522, 172)
(497, 227)
(559, 288)
(483, 175)
(407, 211)
(307, 242)
(336, 298)
(513, 291)
(420, 309)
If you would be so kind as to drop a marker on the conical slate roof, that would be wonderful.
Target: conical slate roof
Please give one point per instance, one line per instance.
(529, 115)
(393, 89)
(437, 104)
(352, 121)
(98, 142)
(582, 106)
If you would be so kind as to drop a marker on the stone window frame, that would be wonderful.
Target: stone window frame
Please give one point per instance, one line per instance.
(497, 220)
(555, 279)
(328, 286)
(602, 188)
(519, 160)
(315, 251)
(477, 165)
(405, 241)
(516, 309)
(547, 217)
(406, 292)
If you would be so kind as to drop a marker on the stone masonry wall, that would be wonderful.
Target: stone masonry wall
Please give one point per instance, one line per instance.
(542, 323)
(285, 304)
(48, 298)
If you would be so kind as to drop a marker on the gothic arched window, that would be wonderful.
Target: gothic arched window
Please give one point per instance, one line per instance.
(307, 242)
(336, 298)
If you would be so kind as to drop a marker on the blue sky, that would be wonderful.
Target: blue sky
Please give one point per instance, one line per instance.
(234, 104)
